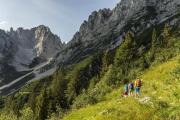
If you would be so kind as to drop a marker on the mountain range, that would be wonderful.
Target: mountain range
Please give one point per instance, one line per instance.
(23, 49)
(32, 52)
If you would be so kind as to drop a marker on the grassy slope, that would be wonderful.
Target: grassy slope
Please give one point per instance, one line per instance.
(160, 83)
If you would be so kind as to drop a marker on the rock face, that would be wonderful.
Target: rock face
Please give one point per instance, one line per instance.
(105, 28)
(38, 42)
(22, 48)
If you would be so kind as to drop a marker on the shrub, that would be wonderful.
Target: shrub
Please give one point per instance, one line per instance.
(26, 114)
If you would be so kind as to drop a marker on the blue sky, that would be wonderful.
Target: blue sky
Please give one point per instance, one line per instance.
(64, 17)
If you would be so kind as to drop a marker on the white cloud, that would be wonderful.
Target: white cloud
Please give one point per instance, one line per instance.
(3, 23)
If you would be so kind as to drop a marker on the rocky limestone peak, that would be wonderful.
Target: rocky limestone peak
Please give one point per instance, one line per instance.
(6, 43)
(25, 45)
(130, 7)
(42, 29)
(23, 49)
(47, 44)
(96, 19)
(105, 28)
(127, 8)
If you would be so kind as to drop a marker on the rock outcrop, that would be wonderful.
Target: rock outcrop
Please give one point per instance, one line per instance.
(105, 28)
(22, 49)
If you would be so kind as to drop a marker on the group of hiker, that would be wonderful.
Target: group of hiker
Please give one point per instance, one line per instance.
(132, 89)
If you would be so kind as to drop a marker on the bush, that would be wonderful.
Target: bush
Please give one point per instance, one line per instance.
(26, 114)
(111, 76)
(83, 100)
(7, 116)
(92, 96)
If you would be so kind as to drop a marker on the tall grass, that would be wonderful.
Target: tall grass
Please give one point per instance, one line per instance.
(160, 83)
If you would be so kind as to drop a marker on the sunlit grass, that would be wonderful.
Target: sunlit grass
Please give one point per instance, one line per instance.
(159, 84)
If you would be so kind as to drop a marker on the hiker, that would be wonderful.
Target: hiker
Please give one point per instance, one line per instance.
(125, 94)
(137, 87)
(131, 88)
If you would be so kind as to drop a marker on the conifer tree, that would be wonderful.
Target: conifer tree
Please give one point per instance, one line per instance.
(105, 63)
(41, 110)
(58, 88)
(125, 53)
(153, 44)
(166, 34)
(166, 31)
(32, 100)
(154, 39)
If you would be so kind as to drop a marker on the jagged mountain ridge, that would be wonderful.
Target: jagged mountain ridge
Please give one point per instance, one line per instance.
(105, 28)
(22, 49)
(37, 42)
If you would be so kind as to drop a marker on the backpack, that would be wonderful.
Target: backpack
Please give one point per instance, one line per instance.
(138, 83)
(131, 86)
